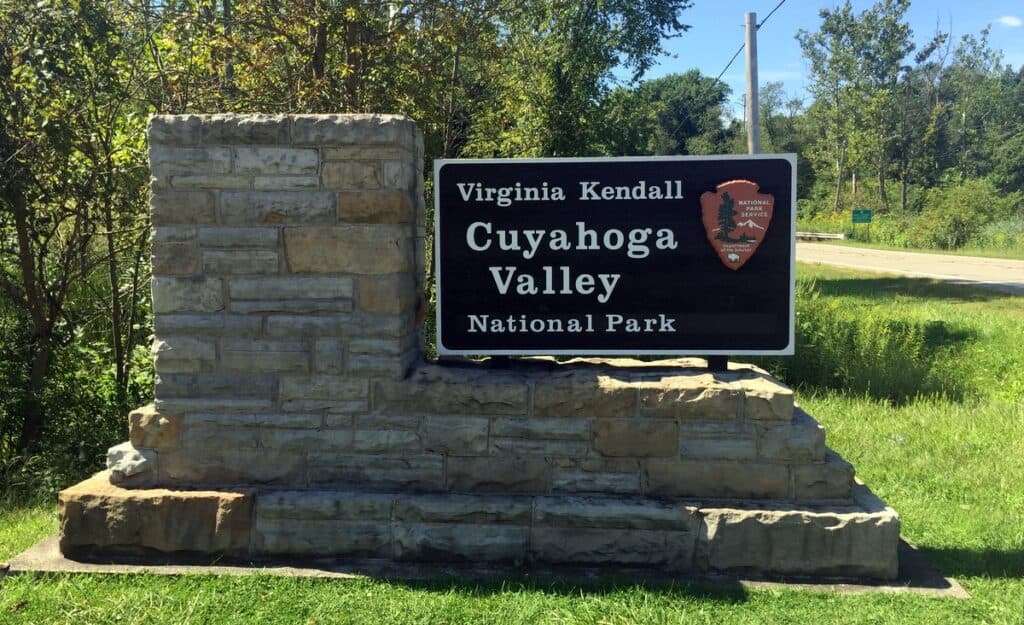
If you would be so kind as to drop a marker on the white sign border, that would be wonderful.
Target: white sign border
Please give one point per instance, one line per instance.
(788, 350)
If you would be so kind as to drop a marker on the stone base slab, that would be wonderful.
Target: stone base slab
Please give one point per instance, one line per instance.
(856, 540)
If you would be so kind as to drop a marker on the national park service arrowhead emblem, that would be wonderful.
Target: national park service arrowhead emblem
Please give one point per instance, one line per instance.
(736, 218)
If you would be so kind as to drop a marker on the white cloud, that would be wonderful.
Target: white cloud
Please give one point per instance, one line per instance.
(1010, 21)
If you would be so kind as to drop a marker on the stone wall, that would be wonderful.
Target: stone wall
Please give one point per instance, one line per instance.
(295, 415)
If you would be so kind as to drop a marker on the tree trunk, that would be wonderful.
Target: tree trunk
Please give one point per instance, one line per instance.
(116, 315)
(34, 419)
(903, 192)
(881, 189)
(839, 178)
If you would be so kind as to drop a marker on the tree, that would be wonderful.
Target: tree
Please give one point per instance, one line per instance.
(726, 218)
(69, 144)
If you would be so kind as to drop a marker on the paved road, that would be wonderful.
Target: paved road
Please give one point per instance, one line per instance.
(993, 273)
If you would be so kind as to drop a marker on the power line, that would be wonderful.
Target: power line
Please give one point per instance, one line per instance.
(729, 64)
(740, 49)
(781, 2)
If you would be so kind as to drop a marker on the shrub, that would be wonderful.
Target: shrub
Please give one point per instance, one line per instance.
(864, 350)
(954, 214)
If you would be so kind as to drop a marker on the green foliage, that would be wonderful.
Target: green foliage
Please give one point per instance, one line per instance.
(861, 349)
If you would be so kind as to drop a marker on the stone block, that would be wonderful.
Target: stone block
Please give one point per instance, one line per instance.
(451, 508)
(277, 207)
(328, 356)
(175, 259)
(285, 183)
(853, 541)
(399, 174)
(460, 542)
(393, 294)
(429, 391)
(290, 287)
(213, 466)
(542, 448)
(386, 441)
(207, 325)
(215, 385)
(97, 515)
(175, 234)
(506, 475)
(172, 295)
(323, 387)
(288, 420)
(264, 356)
(305, 439)
(240, 262)
(636, 437)
(374, 249)
(541, 428)
(803, 440)
(460, 436)
(573, 480)
(832, 479)
(309, 306)
(375, 207)
(148, 427)
(584, 394)
(211, 181)
(691, 396)
(239, 237)
(324, 505)
(248, 129)
(174, 130)
(165, 161)
(224, 405)
(394, 367)
(563, 545)
(351, 175)
(607, 512)
(724, 440)
(195, 437)
(380, 347)
(353, 129)
(129, 464)
(367, 153)
(767, 399)
(266, 160)
(337, 325)
(701, 478)
(181, 354)
(321, 538)
(405, 473)
(182, 207)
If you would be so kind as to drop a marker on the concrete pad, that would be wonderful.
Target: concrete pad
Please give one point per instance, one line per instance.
(917, 575)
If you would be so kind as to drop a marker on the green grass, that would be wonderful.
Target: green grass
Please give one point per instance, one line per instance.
(952, 464)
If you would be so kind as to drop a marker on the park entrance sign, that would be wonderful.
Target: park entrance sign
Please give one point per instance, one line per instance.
(636, 255)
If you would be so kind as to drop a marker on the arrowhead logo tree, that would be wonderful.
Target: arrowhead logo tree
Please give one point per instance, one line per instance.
(736, 218)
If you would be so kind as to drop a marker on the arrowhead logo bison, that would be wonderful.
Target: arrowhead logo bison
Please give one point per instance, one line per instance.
(736, 218)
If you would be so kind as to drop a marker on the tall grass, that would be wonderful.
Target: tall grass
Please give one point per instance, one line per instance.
(862, 349)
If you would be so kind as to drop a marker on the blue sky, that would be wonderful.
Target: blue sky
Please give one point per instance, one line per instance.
(717, 31)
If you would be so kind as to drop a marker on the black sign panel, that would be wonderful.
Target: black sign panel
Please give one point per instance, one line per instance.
(669, 255)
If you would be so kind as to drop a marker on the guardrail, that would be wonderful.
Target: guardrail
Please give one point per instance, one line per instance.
(819, 236)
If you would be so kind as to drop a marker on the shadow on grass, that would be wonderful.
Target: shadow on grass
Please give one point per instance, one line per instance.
(992, 563)
(925, 288)
(724, 593)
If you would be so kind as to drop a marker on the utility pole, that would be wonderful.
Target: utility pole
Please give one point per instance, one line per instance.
(753, 120)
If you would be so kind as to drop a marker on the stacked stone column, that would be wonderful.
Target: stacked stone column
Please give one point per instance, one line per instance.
(287, 251)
